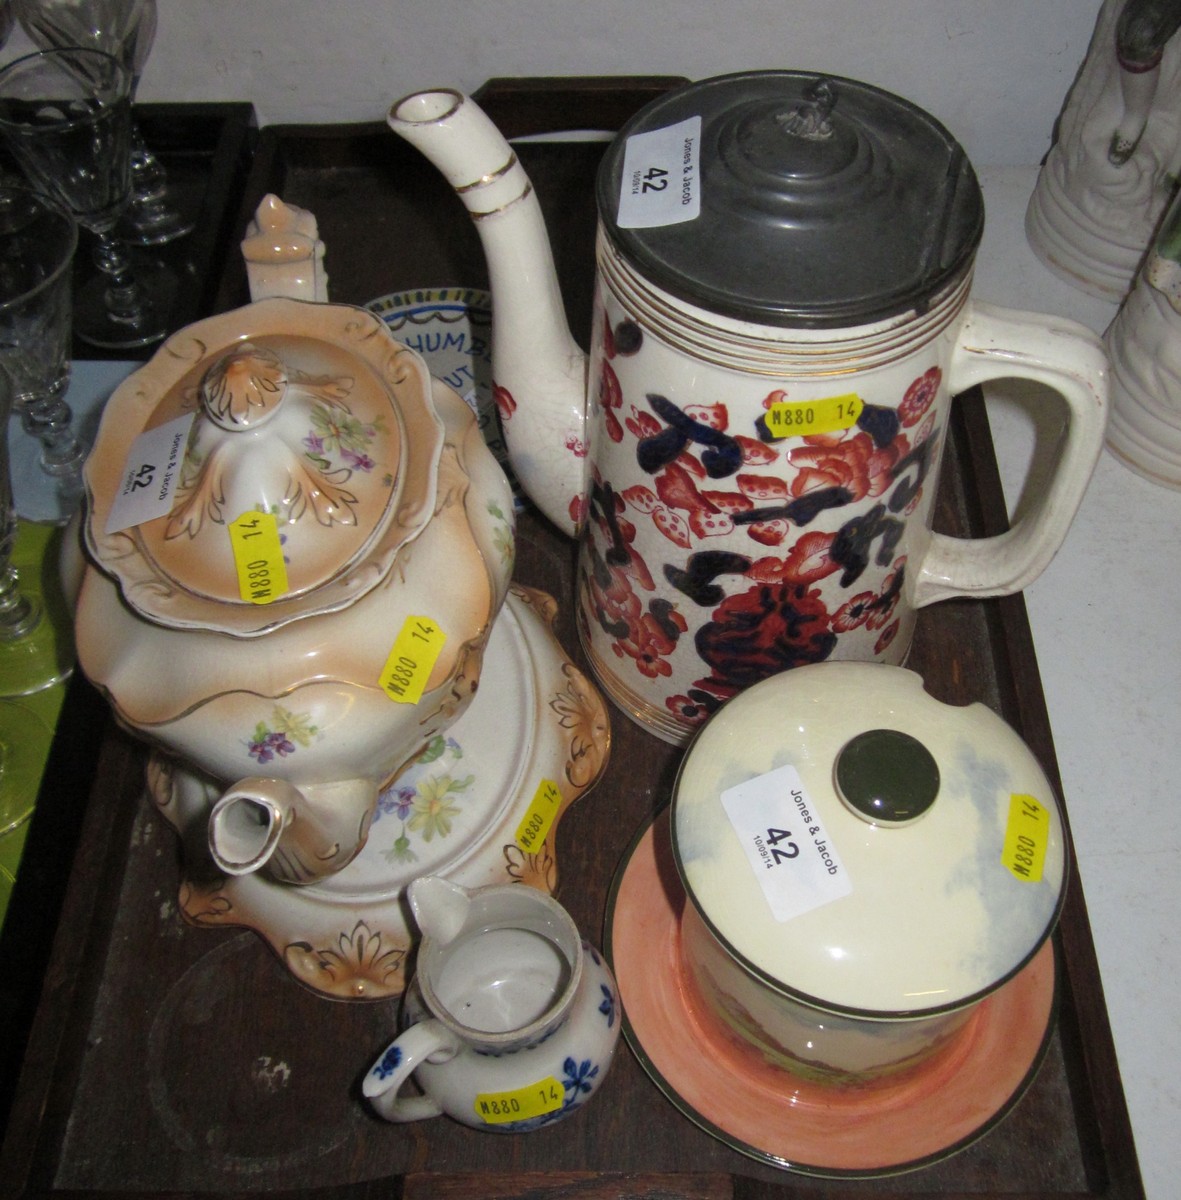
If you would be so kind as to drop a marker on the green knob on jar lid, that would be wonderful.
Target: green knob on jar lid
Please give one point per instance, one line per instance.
(886, 777)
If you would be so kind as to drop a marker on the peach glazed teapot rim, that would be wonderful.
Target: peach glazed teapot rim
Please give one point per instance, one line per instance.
(310, 416)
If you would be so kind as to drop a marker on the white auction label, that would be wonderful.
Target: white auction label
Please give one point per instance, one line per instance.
(786, 843)
(661, 182)
(150, 474)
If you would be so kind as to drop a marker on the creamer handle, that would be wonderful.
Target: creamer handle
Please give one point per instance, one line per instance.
(397, 1063)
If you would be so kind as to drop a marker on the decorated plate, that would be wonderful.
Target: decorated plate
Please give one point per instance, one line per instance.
(452, 329)
(878, 1128)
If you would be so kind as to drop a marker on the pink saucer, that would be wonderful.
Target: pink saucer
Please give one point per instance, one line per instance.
(881, 1128)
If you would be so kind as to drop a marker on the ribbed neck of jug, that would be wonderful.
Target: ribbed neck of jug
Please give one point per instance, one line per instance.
(774, 351)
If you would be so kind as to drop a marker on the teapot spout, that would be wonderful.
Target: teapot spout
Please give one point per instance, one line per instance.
(296, 835)
(538, 369)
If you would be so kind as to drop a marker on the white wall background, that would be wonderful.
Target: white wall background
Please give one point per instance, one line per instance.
(994, 71)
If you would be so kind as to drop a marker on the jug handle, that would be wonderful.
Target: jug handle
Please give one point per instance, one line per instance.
(397, 1062)
(1000, 343)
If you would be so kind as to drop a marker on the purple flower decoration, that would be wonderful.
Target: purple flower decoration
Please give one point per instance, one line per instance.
(281, 744)
(260, 750)
(399, 801)
(359, 462)
(314, 443)
(266, 743)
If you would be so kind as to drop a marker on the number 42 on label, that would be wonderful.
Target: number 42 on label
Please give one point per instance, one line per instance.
(780, 845)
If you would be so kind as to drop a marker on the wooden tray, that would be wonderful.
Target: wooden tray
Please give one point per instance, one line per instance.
(171, 1060)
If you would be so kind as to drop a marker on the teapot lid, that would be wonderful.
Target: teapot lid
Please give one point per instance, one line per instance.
(308, 415)
(854, 842)
(791, 199)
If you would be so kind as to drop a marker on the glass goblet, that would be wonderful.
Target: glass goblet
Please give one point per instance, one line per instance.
(125, 29)
(37, 244)
(66, 116)
(34, 651)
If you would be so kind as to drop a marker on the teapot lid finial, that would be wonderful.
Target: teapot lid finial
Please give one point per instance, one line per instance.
(809, 118)
(245, 388)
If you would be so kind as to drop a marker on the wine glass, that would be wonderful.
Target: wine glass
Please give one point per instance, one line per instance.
(34, 652)
(24, 735)
(66, 116)
(37, 243)
(126, 30)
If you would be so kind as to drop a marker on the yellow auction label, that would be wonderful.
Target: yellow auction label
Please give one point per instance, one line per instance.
(1026, 836)
(533, 1100)
(409, 665)
(531, 832)
(258, 556)
(814, 416)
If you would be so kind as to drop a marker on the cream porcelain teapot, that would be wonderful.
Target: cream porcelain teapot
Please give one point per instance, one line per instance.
(296, 542)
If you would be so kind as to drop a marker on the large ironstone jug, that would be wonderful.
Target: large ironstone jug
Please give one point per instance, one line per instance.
(782, 317)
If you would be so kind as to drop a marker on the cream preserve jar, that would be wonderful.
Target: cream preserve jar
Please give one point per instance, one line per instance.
(864, 865)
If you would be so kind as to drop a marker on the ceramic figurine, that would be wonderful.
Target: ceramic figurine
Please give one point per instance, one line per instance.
(512, 1019)
(751, 455)
(1144, 342)
(283, 252)
(1113, 166)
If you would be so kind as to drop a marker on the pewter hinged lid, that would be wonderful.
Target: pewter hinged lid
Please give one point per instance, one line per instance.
(820, 201)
